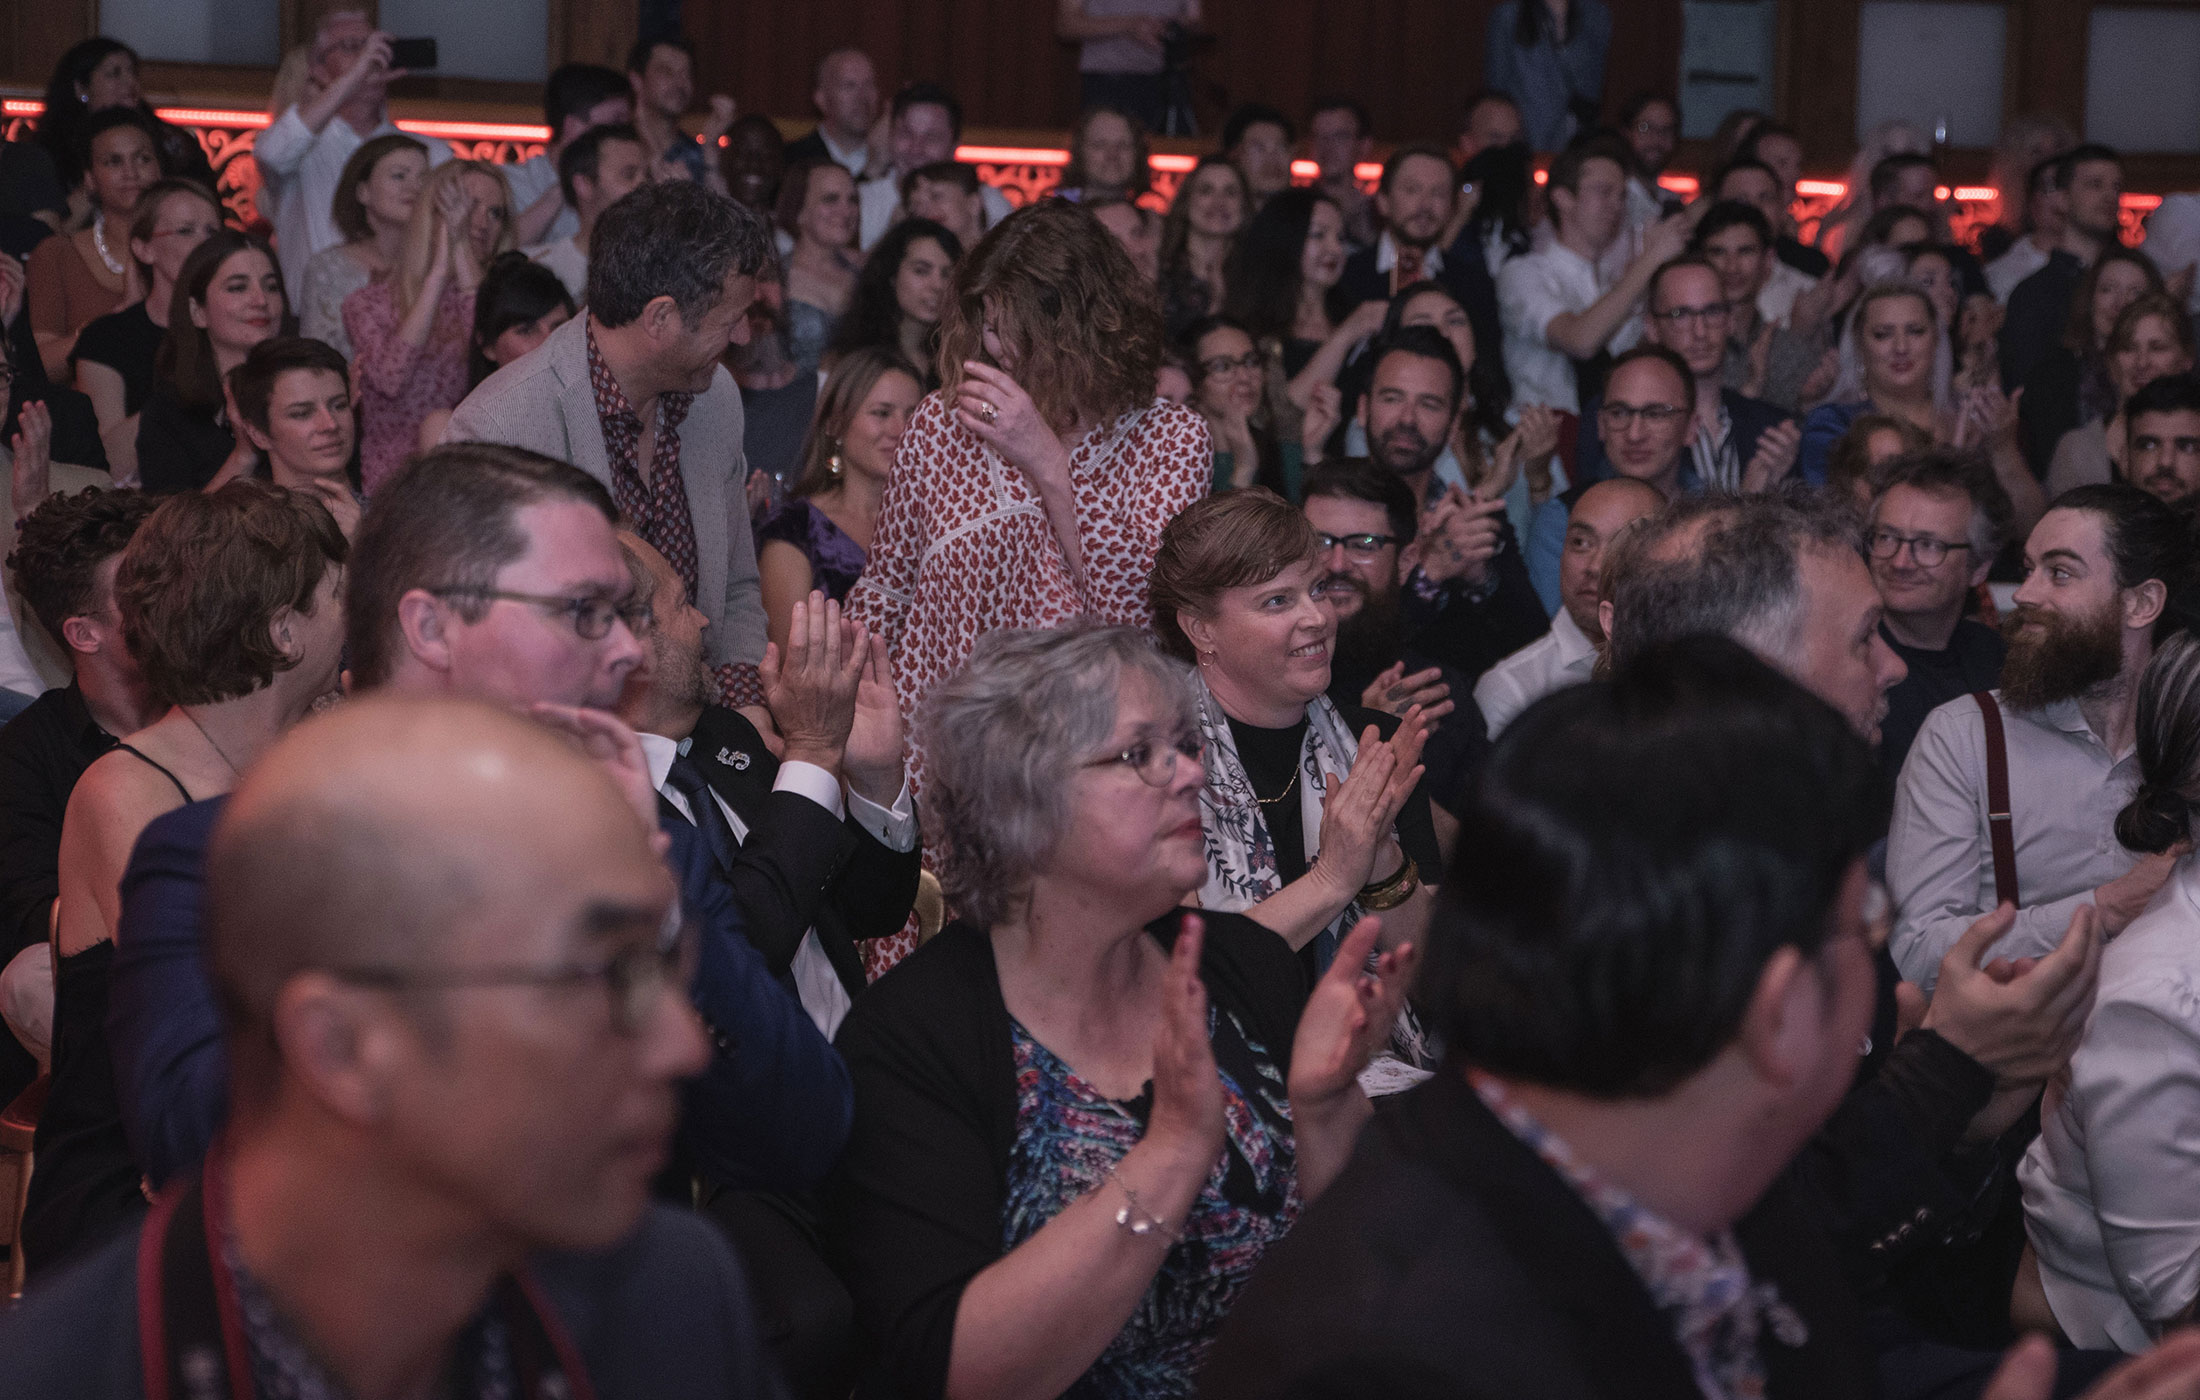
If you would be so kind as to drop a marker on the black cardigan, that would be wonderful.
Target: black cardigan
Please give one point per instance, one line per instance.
(914, 1211)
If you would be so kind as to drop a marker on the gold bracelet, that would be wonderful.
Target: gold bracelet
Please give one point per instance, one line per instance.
(1391, 893)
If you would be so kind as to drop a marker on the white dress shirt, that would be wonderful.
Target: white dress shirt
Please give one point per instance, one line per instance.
(1776, 298)
(1534, 290)
(1559, 658)
(816, 984)
(564, 257)
(2065, 789)
(530, 180)
(2112, 1183)
(299, 170)
(849, 158)
(2022, 260)
(880, 201)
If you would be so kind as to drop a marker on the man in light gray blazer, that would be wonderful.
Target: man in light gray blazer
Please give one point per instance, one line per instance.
(634, 383)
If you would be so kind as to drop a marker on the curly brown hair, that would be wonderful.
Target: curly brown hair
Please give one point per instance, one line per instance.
(1082, 327)
(205, 575)
(60, 546)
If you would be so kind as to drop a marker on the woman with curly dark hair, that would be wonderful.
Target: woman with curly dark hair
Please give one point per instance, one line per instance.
(1032, 487)
(899, 295)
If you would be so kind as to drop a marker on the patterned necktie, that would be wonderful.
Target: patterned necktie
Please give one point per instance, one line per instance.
(1407, 271)
(687, 780)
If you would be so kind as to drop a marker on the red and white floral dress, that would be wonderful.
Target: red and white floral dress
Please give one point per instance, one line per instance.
(963, 547)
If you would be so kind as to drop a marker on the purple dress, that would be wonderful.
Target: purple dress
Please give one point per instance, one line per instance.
(836, 561)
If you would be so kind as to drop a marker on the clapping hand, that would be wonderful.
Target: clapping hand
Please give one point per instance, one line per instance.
(873, 757)
(1188, 1102)
(1324, 411)
(2020, 1020)
(31, 478)
(1349, 1016)
(1775, 456)
(2169, 1372)
(1396, 693)
(1357, 813)
(811, 687)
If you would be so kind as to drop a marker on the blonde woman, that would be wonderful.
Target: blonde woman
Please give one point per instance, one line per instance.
(411, 329)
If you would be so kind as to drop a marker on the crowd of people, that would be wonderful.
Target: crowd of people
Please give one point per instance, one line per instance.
(706, 765)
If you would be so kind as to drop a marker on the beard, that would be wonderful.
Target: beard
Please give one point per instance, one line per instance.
(2062, 659)
(1369, 640)
(1402, 449)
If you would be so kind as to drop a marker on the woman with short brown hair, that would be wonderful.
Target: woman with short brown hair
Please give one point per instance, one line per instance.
(1032, 487)
(231, 606)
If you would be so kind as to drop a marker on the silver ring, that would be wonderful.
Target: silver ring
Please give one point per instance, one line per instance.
(988, 412)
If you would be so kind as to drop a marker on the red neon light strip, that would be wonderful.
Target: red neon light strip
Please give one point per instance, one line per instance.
(1169, 164)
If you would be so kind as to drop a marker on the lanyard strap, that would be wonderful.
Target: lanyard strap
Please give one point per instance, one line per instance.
(191, 1334)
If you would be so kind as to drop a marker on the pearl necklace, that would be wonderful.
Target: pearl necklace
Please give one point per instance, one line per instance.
(99, 241)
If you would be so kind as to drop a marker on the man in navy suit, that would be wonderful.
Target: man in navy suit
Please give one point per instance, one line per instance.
(488, 573)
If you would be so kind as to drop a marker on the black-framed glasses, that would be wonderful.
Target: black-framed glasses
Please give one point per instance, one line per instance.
(591, 615)
(1619, 417)
(1927, 550)
(1362, 547)
(1704, 315)
(632, 978)
(1155, 762)
(1223, 364)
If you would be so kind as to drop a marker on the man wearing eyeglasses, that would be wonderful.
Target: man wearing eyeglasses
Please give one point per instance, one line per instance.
(487, 573)
(454, 1020)
(1936, 525)
(1733, 443)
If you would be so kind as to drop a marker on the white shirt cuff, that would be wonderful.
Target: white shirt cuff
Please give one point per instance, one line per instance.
(812, 782)
(893, 827)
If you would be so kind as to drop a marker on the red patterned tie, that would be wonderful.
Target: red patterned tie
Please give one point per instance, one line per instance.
(1408, 270)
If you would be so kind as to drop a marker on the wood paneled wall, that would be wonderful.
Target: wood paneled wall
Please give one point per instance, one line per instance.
(1411, 61)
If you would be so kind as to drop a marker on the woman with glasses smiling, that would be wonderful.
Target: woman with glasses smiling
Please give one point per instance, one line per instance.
(1315, 814)
(1083, 1113)
(1230, 387)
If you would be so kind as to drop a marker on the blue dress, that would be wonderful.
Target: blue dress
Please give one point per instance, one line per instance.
(1821, 430)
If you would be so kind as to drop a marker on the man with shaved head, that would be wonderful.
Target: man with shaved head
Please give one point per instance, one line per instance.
(450, 966)
(489, 573)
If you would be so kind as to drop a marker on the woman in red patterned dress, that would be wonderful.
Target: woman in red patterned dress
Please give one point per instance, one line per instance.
(1032, 487)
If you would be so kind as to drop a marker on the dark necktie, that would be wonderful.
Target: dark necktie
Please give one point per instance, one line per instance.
(1409, 268)
(688, 781)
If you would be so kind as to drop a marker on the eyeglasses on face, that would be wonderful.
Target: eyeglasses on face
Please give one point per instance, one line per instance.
(1362, 547)
(1703, 315)
(1223, 364)
(632, 978)
(1155, 762)
(1618, 417)
(591, 615)
(1927, 550)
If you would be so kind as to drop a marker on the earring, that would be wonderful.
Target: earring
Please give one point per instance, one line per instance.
(832, 463)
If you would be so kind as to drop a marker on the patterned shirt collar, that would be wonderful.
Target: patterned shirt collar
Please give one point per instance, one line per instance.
(1701, 1285)
(612, 406)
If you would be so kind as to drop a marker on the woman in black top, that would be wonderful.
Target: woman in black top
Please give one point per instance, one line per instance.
(1314, 814)
(114, 355)
(1080, 1116)
(228, 298)
(230, 605)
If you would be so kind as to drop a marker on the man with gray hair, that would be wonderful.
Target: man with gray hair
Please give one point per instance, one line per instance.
(1937, 521)
(632, 393)
(1778, 573)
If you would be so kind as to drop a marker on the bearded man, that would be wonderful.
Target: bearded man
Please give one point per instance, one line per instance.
(2108, 578)
(1364, 517)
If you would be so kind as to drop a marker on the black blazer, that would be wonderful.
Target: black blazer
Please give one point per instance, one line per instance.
(1449, 1260)
(1464, 274)
(799, 869)
(1751, 419)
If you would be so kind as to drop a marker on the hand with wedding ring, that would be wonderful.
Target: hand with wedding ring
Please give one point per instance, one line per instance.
(995, 409)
